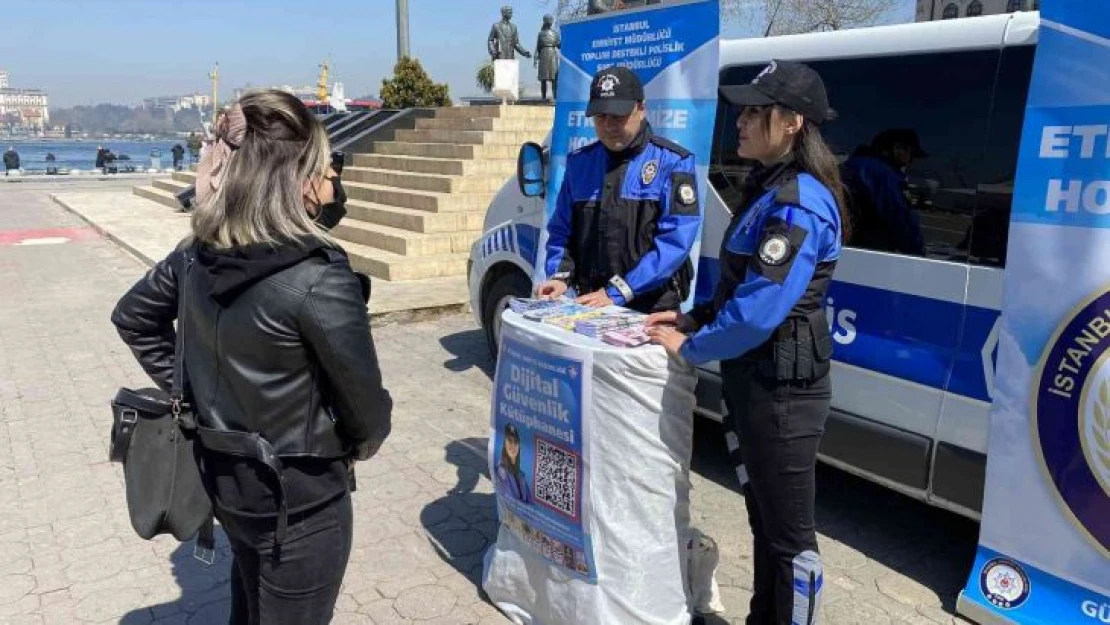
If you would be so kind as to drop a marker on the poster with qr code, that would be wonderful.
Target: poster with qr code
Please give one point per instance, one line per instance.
(538, 459)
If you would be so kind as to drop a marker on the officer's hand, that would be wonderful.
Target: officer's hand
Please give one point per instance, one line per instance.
(597, 299)
(669, 318)
(667, 336)
(684, 323)
(552, 289)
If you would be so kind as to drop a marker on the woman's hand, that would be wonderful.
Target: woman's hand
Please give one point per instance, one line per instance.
(667, 336)
(684, 323)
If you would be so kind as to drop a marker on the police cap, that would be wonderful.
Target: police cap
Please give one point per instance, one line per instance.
(793, 85)
(614, 91)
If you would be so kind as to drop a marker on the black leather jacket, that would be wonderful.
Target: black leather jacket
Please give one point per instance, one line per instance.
(276, 342)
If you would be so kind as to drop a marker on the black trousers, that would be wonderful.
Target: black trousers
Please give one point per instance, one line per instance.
(296, 583)
(776, 428)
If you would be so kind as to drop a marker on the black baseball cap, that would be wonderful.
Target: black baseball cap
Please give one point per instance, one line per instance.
(792, 85)
(614, 91)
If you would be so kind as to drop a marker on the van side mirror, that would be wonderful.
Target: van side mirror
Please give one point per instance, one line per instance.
(530, 169)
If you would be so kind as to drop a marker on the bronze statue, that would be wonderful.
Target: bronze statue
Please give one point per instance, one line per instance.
(504, 41)
(547, 57)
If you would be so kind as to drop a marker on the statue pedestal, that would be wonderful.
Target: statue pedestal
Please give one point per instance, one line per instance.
(506, 79)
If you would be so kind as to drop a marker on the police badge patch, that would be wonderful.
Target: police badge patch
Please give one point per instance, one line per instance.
(647, 174)
(686, 194)
(774, 250)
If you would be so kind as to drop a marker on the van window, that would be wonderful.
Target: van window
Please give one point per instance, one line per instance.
(944, 99)
(991, 222)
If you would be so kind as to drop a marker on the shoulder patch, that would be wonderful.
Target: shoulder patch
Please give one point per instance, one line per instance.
(774, 249)
(667, 144)
(777, 249)
(684, 194)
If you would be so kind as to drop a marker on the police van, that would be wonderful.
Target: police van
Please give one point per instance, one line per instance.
(916, 336)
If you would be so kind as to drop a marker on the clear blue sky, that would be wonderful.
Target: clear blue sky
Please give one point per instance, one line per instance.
(120, 51)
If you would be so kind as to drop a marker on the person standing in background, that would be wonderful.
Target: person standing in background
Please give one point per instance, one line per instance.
(178, 156)
(11, 160)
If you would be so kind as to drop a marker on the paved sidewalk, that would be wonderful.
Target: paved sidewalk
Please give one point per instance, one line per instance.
(150, 231)
(424, 508)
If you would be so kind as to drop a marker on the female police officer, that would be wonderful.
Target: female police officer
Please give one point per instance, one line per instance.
(766, 325)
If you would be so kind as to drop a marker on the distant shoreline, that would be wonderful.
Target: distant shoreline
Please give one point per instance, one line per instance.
(16, 140)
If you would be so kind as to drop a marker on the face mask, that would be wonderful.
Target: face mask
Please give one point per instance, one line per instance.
(330, 214)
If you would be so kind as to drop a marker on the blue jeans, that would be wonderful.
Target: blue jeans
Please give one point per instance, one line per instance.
(294, 583)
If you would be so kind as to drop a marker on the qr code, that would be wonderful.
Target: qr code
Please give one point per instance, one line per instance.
(557, 478)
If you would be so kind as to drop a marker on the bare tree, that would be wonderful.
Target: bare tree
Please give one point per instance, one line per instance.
(783, 17)
(564, 10)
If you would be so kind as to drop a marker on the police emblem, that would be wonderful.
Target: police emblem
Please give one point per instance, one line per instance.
(1070, 417)
(1003, 582)
(686, 194)
(770, 69)
(774, 250)
(607, 84)
(647, 174)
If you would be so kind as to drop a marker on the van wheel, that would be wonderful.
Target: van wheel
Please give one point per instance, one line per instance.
(496, 300)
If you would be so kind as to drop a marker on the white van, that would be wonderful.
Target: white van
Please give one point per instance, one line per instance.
(915, 353)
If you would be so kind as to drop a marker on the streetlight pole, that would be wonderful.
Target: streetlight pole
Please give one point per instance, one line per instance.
(402, 29)
(215, 78)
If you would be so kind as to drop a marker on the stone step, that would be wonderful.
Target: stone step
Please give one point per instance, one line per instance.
(171, 185)
(477, 183)
(404, 242)
(188, 177)
(447, 150)
(395, 267)
(414, 220)
(419, 200)
(474, 112)
(468, 137)
(488, 124)
(437, 166)
(154, 194)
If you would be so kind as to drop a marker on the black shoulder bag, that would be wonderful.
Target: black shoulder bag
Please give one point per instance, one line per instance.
(153, 436)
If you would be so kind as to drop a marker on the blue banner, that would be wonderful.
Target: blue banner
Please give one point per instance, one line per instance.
(1044, 553)
(674, 49)
(537, 460)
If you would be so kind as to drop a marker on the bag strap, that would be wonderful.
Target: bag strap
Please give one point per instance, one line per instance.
(205, 548)
(180, 381)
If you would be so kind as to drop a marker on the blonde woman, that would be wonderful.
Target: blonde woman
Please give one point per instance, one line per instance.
(277, 353)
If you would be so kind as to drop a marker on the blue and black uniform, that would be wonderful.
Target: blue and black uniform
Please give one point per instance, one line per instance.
(626, 222)
(766, 325)
(882, 219)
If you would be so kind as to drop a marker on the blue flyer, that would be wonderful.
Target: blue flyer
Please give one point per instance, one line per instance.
(538, 458)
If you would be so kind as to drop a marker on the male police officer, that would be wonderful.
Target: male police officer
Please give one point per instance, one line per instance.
(875, 176)
(627, 213)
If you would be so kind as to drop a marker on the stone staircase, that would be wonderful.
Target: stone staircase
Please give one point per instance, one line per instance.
(417, 203)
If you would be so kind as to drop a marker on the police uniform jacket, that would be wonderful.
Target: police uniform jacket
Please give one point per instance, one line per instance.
(626, 222)
(881, 217)
(777, 259)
